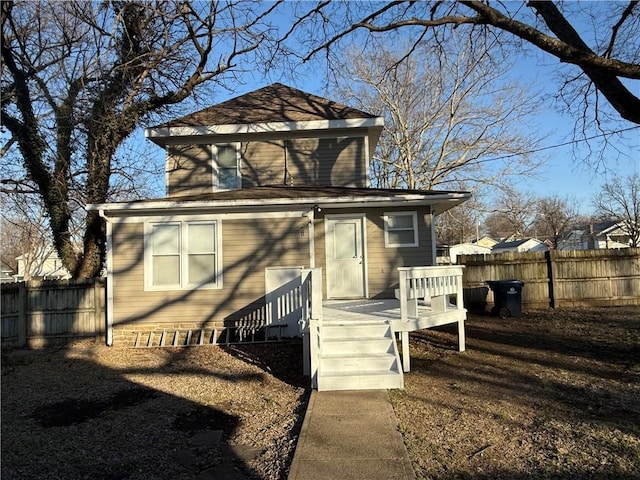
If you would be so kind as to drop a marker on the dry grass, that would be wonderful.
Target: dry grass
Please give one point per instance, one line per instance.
(548, 395)
(176, 413)
(552, 394)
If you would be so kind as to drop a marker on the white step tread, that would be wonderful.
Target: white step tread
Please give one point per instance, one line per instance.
(370, 373)
(334, 356)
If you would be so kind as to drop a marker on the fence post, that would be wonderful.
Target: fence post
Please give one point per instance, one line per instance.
(22, 314)
(98, 320)
(551, 275)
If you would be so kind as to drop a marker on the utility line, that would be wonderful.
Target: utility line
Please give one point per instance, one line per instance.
(562, 144)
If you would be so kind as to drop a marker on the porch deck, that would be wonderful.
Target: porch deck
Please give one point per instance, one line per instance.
(351, 344)
(389, 309)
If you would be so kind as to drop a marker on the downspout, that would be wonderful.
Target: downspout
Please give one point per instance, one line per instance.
(312, 236)
(434, 253)
(109, 260)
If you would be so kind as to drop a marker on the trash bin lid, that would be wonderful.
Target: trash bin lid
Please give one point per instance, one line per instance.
(505, 282)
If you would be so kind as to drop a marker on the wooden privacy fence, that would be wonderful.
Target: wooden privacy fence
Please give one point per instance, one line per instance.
(41, 312)
(557, 278)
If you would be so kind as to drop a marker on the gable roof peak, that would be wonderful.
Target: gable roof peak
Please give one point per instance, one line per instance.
(270, 104)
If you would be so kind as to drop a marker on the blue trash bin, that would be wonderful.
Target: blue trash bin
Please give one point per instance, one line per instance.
(507, 297)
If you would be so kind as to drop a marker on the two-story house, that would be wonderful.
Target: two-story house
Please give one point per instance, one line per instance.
(270, 179)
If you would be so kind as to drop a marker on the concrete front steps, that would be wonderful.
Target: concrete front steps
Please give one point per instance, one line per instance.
(358, 356)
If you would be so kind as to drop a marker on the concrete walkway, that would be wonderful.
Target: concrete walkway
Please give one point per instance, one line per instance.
(350, 435)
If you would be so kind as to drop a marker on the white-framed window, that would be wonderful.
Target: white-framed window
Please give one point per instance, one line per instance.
(226, 166)
(182, 254)
(400, 229)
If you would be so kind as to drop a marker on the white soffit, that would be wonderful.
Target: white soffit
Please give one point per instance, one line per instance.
(159, 133)
(439, 202)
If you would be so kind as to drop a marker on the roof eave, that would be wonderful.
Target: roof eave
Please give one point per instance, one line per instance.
(439, 203)
(159, 135)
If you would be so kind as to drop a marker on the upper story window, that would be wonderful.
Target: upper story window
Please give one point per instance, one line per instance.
(401, 229)
(226, 164)
(202, 168)
(182, 255)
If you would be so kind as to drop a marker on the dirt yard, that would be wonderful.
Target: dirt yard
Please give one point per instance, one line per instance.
(552, 395)
(92, 412)
(547, 395)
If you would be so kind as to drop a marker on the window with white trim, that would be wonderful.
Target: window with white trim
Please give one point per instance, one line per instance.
(226, 161)
(182, 255)
(401, 229)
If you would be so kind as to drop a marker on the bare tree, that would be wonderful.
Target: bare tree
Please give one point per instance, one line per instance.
(458, 125)
(24, 232)
(79, 77)
(607, 51)
(554, 216)
(513, 216)
(460, 224)
(619, 200)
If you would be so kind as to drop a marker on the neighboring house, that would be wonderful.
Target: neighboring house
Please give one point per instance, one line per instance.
(486, 242)
(467, 249)
(523, 245)
(43, 264)
(6, 273)
(602, 235)
(272, 180)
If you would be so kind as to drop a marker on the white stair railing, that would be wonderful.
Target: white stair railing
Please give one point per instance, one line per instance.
(311, 322)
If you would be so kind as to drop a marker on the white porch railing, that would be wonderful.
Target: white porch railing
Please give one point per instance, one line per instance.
(435, 285)
(433, 289)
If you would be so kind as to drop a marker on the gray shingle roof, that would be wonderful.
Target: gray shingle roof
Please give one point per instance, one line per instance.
(287, 192)
(274, 103)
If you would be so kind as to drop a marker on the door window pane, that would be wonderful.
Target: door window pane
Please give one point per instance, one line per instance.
(345, 242)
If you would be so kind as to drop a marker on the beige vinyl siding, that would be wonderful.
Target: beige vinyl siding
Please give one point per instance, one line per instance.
(189, 170)
(249, 246)
(305, 161)
(382, 262)
(337, 161)
(262, 163)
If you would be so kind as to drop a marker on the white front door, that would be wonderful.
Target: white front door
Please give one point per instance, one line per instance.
(345, 255)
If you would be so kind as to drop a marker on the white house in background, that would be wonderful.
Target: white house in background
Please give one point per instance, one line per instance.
(43, 264)
(523, 245)
(485, 242)
(467, 249)
(6, 273)
(602, 235)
